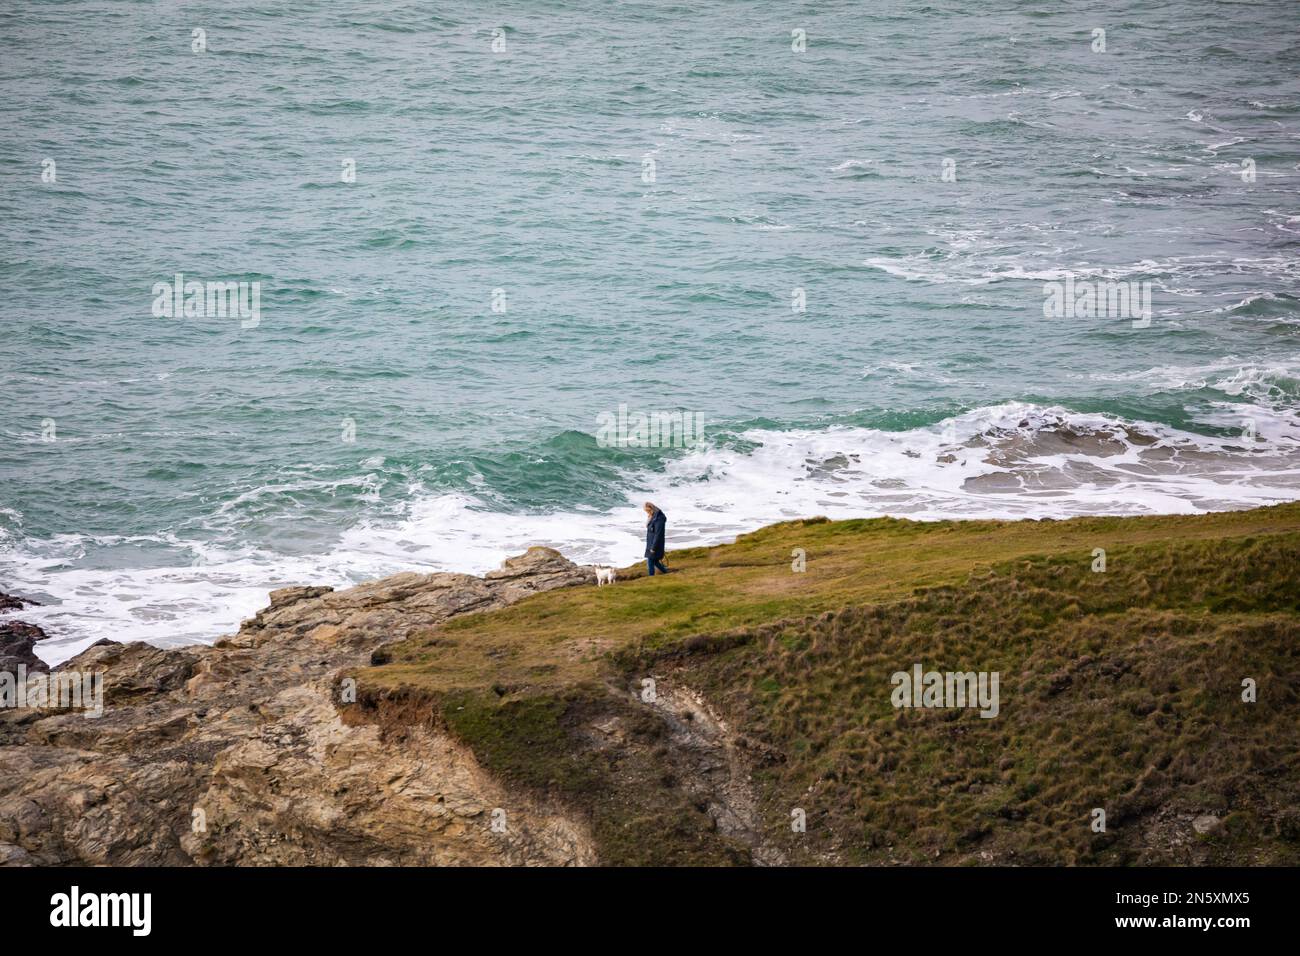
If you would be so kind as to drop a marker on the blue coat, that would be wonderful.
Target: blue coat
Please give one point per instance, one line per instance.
(654, 535)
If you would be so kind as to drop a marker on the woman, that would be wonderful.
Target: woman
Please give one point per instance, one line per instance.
(654, 539)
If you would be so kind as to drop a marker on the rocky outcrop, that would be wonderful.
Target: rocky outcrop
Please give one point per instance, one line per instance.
(17, 646)
(11, 602)
(237, 753)
(18, 639)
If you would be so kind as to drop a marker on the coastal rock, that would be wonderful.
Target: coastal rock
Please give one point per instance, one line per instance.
(11, 602)
(237, 753)
(17, 643)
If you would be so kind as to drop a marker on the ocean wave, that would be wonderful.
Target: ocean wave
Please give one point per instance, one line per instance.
(1270, 305)
(1014, 460)
(1270, 388)
(955, 266)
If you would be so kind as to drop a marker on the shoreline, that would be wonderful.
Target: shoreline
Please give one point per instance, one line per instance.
(1007, 461)
(479, 567)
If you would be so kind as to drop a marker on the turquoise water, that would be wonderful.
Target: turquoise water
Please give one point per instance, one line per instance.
(196, 462)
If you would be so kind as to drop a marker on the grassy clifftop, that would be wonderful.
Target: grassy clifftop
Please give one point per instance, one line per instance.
(1119, 690)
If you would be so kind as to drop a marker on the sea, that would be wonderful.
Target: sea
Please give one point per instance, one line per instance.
(934, 260)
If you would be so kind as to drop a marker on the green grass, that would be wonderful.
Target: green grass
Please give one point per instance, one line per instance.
(1119, 690)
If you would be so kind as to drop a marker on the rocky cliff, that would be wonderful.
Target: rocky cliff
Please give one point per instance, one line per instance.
(738, 712)
(237, 753)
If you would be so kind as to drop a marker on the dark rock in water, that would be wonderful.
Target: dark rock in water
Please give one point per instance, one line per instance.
(17, 643)
(10, 602)
(18, 638)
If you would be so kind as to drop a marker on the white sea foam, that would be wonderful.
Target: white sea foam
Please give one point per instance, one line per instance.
(1008, 461)
(1266, 386)
(954, 266)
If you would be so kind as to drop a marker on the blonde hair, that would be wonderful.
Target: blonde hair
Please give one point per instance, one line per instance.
(650, 507)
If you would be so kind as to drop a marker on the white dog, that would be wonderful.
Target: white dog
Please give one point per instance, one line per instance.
(604, 576)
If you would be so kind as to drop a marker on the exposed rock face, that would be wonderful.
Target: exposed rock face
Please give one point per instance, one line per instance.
(237, 754)
(716, 771)
(17, 643)
(18, 638)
